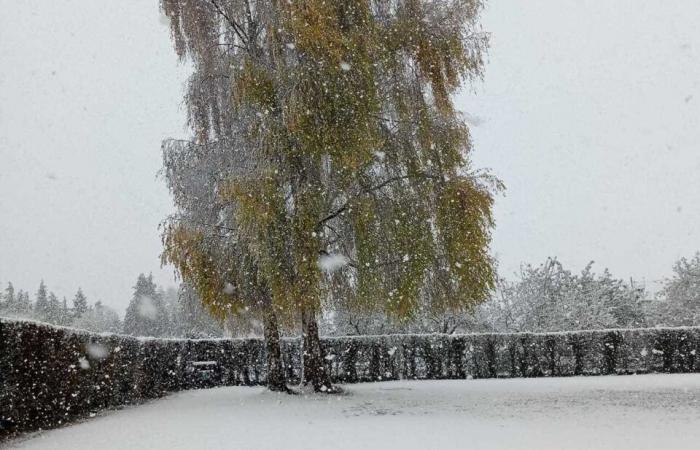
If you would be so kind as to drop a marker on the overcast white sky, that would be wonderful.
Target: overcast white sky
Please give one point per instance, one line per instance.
(590, 113)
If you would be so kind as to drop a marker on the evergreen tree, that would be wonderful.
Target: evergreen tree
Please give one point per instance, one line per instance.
(99, 318)
(65, 313)
(328, 148)
(166, 315)
(10, 304)
(53, 310)
(41, 305)
(23, 305)
(193, 320)
(146, 314)
(80, 304)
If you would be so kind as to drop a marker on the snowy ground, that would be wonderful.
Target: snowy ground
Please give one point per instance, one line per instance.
(629, 412)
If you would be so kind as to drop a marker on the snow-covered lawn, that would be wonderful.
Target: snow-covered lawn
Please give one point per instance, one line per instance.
(629, 412)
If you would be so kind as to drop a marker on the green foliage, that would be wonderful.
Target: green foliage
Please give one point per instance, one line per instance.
(186, 249)
(349, 144)
(464, 221)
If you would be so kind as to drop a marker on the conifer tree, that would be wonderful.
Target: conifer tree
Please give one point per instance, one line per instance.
(194, 321)
(41, 305)
(10, 300)
(345, 167)
(65, 313)
(99, 318)
(24, 304)
(80, 304)
(146, 314)
(53, 311)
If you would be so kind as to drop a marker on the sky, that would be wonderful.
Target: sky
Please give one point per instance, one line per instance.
(589, 112)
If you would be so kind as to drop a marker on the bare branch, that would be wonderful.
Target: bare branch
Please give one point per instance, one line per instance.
(377, 187)
(236, 27)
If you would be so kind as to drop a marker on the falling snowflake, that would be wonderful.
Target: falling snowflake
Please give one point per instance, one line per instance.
(147, 308)
(84, 363)
(97, 351)
(332, 263)
(229, 289)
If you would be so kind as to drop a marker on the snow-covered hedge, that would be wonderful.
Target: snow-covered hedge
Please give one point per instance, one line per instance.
(596, 352)
(51, 375)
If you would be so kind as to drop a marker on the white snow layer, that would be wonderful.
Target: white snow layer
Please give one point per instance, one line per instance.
(637, 412)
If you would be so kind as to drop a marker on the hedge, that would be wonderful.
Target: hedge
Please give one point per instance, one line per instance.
(51, 375)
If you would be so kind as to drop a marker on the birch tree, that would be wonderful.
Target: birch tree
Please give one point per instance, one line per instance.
(330, 160)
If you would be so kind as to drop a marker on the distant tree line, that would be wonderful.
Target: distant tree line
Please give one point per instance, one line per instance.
(174, 312)
(547, 297)
(46, 307)
(152, 311)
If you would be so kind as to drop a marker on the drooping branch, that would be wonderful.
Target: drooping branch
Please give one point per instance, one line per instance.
(371, 189)
(236, 27)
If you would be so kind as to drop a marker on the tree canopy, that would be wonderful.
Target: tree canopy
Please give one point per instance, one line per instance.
(327, 128)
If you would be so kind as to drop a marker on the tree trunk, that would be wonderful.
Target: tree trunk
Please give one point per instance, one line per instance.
(313, 358)
(275, 370)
